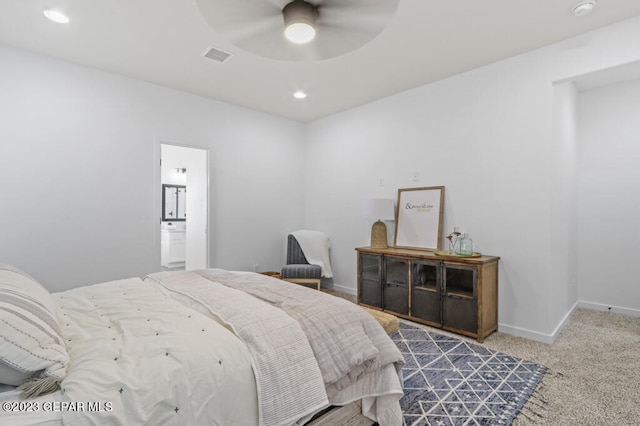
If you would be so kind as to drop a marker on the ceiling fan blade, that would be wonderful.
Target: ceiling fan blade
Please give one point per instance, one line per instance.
(257, 26)
(268, 27)
(278, 4)
(373, 24)
(336, 41)
(224, 14)
(352, 9)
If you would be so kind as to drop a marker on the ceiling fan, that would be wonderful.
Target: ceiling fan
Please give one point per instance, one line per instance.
(324, 28)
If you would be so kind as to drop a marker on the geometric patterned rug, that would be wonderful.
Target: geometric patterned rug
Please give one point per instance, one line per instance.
(448, 381)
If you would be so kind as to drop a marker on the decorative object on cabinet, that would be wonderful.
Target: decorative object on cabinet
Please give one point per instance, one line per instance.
(174, 202)
(419, 217)
(458, 294)
(459, 246)
(466, 245)
(454, 240)
(447, 253)
(379, 209)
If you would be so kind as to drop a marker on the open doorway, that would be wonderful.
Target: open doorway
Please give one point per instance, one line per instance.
(184, 182)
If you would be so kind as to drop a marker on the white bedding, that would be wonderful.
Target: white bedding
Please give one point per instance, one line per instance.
(154, 360)
(216, 348)
(17, 415)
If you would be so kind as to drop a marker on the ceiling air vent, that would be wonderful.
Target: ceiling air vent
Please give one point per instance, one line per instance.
(216, 54)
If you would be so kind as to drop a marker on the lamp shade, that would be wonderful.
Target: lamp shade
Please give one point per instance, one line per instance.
(379, 208)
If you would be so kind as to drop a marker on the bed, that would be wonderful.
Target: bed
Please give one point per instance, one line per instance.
(211, 347)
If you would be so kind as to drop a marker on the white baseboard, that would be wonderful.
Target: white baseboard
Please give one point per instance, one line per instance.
(564, 321)
(551, 338)
(535, 335)
(608, 308)
(348, 290)
(527, 334)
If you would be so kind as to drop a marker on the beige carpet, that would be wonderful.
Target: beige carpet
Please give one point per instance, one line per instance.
(593, 376)
(594, 371)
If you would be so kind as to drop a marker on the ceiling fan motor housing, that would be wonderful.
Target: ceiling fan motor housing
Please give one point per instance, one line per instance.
(299, 11)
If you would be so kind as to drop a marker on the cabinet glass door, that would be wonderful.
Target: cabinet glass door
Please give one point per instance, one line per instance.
(396, 286)
(425, 291)
(370, 280)
(461, 300)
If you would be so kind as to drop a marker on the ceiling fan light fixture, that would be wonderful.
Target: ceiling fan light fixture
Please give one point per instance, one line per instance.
(299, 21)
(300, 33)
(258, 26)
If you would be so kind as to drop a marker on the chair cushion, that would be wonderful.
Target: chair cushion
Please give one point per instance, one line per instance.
(301, 271)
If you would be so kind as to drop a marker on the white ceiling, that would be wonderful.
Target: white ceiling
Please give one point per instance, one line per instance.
(427, 40)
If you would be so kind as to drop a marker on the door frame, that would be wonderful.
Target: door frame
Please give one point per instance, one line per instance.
(157, 191)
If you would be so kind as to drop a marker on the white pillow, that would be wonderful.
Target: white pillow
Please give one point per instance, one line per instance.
(30, 339)
(11, 376)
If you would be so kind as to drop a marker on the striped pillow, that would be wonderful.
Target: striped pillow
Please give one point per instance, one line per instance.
(30, 340)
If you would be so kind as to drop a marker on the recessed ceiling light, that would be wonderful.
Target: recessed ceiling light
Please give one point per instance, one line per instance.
(56, 16)
(299, 94)
(584, 8)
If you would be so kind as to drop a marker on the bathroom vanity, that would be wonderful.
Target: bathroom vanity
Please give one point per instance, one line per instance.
(173, 246)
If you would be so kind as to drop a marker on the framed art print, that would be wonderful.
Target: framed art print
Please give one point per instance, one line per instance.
(419, 217)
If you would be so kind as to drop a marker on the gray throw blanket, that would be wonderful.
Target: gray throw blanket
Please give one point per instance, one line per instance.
(279, 349)
(356, 358)
(346, 340)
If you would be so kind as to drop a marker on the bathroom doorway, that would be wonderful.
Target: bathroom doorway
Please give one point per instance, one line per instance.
(184, 207)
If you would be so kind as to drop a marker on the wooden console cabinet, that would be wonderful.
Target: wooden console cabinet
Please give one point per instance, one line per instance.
(458, 294)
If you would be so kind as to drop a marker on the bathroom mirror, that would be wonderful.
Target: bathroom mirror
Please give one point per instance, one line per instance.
(174, 202)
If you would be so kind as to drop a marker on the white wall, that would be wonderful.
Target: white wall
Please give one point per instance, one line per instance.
(479, 135)
(609, 188)
(489, 137)
(172, 160)
(78, 172)
(564, 199)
